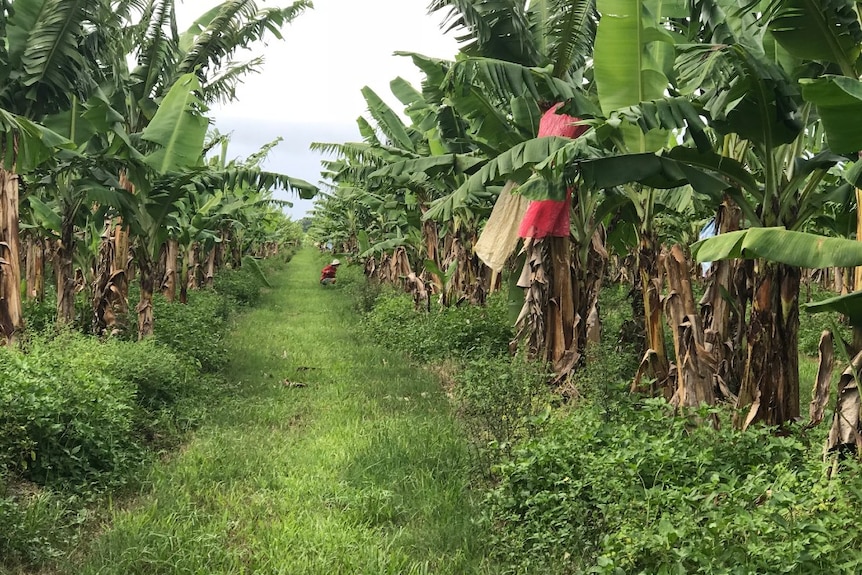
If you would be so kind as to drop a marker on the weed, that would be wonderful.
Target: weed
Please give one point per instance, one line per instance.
(242, 285)
(196, 329)
(453, 332)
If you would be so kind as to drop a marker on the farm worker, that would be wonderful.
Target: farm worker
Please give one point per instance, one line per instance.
(327, 274)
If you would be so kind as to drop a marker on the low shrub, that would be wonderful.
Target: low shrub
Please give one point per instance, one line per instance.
(40, 316)
(652, 493)
(171, 392)
(196, 329)
(454, 332)
(160, 377)
(64, 420)
(362, 291)
(502, 401)
(241, 285)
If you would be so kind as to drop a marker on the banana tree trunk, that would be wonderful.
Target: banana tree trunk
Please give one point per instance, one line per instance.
(534, 279)
(110, 287)
(35, 268)
(591, 266)
(209, 274)
(11, 314)
(654, 364)
(169, 284)
(770, 383)
(193, 267)
(144, 308)
(722, 309)
(183, 278)
(65, 273)
(547, 320)
(560, 317)
(694, 366)
(431, 240)
(112, 274)
(221, 249)
(234, 243)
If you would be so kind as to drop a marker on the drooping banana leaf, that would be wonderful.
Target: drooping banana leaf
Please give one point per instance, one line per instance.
(668, 114)
(780, 245)
(504, 79)
(516, 163)
(26, 144)
(44, 52)
(366, 130)
(526, 114)
(742, 91)
(566, 31)
(660, 172)
(453, 163)
(47, 217)
(849, 305)
(253, 178)
(251, 263)
(826, 30)
(649, 169)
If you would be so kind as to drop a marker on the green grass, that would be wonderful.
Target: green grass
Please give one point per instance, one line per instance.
(362, 470)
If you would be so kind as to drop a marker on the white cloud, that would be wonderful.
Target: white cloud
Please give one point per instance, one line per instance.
(310, 85)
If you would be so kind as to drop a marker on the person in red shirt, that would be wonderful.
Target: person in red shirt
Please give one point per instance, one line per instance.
(327, 274)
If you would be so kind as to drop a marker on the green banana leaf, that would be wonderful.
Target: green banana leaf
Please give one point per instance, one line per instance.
(661, 172)
(26, 144)
(387, 120)
(505, 79)
(819, 30)
(45, 214)
(454, 163)
(839, 104)
(178, 128)
(780, 245)
(849, 305)
(625, 71)
(366, 130)
(516, 162)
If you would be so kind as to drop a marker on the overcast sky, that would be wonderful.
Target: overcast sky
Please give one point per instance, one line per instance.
(309, 89)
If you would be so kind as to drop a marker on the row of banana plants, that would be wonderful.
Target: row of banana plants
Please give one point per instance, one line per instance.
(688, 111)
(103, 156)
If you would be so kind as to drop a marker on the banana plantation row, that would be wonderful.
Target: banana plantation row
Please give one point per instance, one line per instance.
(575, 140)
(103, 114)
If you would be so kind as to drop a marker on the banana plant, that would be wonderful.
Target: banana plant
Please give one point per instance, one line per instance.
(47, 63)
(180, 73)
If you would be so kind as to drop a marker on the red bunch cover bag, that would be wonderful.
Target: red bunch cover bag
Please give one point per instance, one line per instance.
(551, 217)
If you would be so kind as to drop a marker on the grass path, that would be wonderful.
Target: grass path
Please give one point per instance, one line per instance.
(362, 471)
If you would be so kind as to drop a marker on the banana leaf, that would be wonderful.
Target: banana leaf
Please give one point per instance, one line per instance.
(387, 120)
(659, 172)
(26, 144)
(625, 71)
(819, 30)
(849, 305)
(839, 104)
(454, 163)
(800, 249)
(178, 128)
(516, 162)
